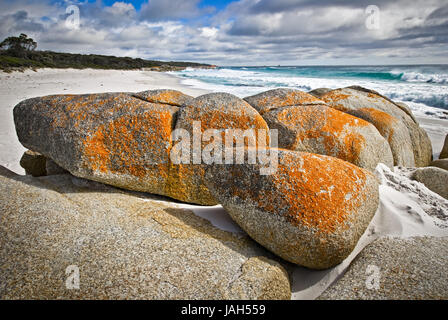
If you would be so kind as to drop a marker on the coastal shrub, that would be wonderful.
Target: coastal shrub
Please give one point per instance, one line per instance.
(19, 53)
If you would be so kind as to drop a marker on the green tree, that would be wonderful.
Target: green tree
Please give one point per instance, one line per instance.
(18, 46)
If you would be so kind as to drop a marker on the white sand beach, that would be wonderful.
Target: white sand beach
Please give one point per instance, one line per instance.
(397, 193)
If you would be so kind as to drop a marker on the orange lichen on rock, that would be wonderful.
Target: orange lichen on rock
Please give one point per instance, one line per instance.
(164, 96)
(219, 115)
(311, 210)
(97, 155)
(381, 120)
(333, 97)
(221, 121)
(218, 111)
(184, 183)
(319, 129)
(122, 145)
(309, 190)
(278, 98)
(322, 192)
(72, 110)
(169, 97)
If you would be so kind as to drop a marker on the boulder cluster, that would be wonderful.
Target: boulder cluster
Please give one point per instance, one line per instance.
(310, 211)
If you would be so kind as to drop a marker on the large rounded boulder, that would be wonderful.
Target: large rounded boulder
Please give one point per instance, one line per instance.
(306, 123)
(394, 131)
(112, 138)
(126, 140)
(213, 111)
(324, 130)
(310, 211)
(351, 99)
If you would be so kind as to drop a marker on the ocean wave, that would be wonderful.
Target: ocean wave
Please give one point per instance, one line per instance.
(373, 75)
(419, 92)
(420, 77)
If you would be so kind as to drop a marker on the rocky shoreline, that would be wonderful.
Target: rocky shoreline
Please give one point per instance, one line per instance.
(310, 211)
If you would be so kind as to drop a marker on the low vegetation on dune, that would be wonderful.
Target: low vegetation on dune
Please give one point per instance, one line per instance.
(19, 53)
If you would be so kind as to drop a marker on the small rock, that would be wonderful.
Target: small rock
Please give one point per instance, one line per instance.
(440, 163)
(53, 168)
(33, 163)
(435, 179)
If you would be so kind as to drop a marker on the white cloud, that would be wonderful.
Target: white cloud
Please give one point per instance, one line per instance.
(209, 32)
(246, 32)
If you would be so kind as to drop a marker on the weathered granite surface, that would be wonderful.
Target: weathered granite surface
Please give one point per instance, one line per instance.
(126, 246)
(408, 269)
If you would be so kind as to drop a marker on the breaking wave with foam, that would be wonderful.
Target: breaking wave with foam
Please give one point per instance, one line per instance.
(423, 88)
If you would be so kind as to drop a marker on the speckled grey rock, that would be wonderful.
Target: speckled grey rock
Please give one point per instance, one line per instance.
(435, 179)
(281, 97)
(324, 130)
(311, 210)
(444, 152)
(413, 268)
(319, 92)
(354, 98)
(393, 130)
(164, 96)
(33, 163)
(406, 109)
(440, 163)
(125, 245)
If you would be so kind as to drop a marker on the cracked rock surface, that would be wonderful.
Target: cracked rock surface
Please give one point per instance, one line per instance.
(126, 245)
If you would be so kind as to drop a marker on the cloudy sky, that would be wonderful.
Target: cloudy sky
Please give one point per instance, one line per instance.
(244, 32)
